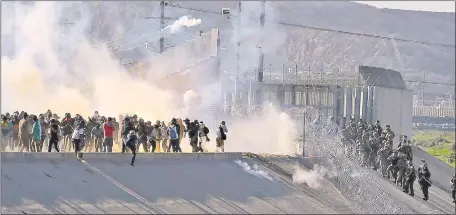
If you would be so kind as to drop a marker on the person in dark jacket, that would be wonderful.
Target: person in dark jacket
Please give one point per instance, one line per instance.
(53, 136)
(126, 128)
(131, 144)
(141, 131)
(187, 126)
(378, 128)
(424, 176)
(67, 127)
(410, 179)
(192, 132)
(453, 187)
(173, 132)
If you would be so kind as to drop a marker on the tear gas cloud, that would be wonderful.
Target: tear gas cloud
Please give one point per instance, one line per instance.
(183, 21)
(39, 78)
(270, 132)
(314, 178)
(254, 170)
(251, 36)
(66, 73)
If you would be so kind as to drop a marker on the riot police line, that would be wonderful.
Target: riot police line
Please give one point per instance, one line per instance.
(372, 146)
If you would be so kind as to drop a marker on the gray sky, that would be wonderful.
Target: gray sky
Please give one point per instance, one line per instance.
(435, 6)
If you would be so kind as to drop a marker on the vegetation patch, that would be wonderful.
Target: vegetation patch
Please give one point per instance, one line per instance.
(440, 144)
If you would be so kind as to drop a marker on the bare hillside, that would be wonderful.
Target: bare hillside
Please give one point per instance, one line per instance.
(128, 26)
(308, 46)
(317, 48)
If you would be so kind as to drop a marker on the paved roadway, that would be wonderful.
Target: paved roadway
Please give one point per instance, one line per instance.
(178, 183)
(159, 183)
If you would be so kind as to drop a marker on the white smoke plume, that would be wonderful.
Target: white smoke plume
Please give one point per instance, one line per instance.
(188, 96)
(65, 73)
(183, 21)
(270, 132)
(313, 178)
(55, 67)
(254, 170)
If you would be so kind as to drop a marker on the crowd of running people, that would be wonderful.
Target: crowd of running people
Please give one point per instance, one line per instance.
(31, 133)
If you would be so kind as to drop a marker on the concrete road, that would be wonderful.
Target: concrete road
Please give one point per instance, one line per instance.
(184, 183)
(158, 183)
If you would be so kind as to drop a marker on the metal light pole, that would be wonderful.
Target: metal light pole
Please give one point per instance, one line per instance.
(162, 26)
(238, 57)
(304, 135)
(261, 59)
(238, 43)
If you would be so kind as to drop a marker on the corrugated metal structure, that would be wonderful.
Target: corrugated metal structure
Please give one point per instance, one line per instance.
(371, 94)
(391, 101)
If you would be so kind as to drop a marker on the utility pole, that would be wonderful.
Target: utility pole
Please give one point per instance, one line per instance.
(162, 26)
(238, 43)
(261, 60)
(238, 57)
(304, 135)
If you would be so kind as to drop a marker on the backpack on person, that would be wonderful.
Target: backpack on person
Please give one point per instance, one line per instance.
(172, 133)
(222, 133)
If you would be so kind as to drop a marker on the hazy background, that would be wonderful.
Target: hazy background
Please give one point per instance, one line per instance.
(62, 69)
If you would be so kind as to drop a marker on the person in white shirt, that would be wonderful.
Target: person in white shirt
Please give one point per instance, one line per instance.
(203, 139)
(221, 137)
(78, 138)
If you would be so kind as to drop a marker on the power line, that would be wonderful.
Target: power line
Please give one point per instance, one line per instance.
(125, 33)
(153, 18)
(173, 4)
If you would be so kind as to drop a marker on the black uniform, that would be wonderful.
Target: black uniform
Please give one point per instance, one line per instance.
(131, 144)
(423, 179)
(54, 137)
(192, 131)
(453, 188)
(141, 130)
(177, 143)
(410, 179)
(127, 127)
